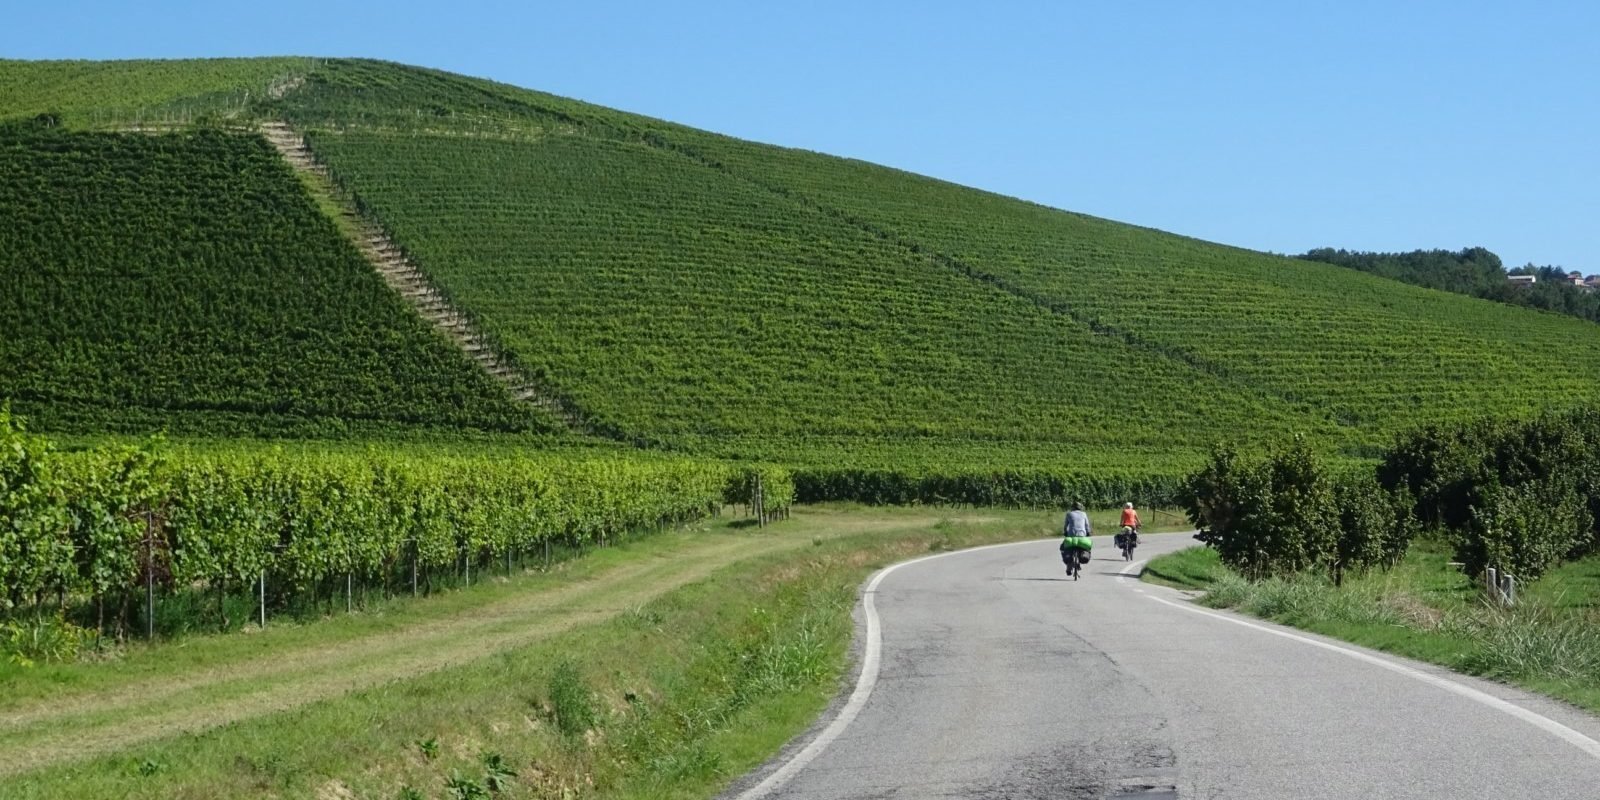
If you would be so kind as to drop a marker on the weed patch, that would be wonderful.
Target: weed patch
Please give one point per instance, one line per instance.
(571, 702)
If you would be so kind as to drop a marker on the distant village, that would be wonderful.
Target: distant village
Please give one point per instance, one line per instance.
(1575, 278)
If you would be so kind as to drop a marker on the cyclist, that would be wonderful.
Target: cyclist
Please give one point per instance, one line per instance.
(1075, 533)
(1130, 527)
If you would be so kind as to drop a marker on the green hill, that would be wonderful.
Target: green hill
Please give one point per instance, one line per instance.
(737, 299)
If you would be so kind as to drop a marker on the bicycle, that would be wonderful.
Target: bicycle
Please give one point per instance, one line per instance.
(1127, 540)
(1075, 553)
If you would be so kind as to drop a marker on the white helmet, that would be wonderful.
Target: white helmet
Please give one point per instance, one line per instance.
(1127, 505)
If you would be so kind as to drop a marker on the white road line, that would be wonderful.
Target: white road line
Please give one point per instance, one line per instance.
(864, 684)
(1570, 736)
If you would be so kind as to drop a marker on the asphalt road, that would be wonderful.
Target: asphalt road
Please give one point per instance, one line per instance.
(998, 678)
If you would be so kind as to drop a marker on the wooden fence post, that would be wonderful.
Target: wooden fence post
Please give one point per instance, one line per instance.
(760, 503)
(149, 578)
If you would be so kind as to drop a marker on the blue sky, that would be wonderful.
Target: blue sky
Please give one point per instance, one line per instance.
(1270, 125)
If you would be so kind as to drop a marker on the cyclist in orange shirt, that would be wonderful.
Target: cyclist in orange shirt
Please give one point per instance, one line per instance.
(1127, 537)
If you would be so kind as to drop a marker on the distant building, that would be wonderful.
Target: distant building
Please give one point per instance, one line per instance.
(1522, 280)
(1575, 278)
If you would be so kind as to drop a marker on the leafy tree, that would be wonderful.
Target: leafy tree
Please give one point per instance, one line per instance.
(1525, 529)
(1286, 513)
(1229, 500)
(1375, 526)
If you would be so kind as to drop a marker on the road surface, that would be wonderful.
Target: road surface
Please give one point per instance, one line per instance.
(998, 678)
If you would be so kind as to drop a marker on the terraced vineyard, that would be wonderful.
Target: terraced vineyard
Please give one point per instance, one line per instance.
(187, 282)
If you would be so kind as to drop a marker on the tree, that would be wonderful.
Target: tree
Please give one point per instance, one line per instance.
(1472, 271)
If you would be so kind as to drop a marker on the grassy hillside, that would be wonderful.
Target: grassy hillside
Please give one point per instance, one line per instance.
(740, 299)
(187, 281)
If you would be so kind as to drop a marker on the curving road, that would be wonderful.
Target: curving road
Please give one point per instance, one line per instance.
(997, 678)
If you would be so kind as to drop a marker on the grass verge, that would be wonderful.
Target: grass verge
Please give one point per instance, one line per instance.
(671, 697)
(1425, 609)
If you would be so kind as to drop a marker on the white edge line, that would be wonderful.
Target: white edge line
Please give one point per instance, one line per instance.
(1570, 736)
(864, 683)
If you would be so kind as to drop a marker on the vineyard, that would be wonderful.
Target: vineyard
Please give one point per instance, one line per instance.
(186, 282)
(738, 298)
(100, 533)
(1373, 355)
(669, 299)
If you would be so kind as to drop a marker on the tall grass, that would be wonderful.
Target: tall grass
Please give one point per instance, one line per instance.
(1536, 641)
(1298, 599)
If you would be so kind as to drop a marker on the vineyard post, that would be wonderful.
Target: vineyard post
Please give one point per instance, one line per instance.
(414, 547)
(547, 553)
(263, 597)
(349, 588)
(149, 578)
